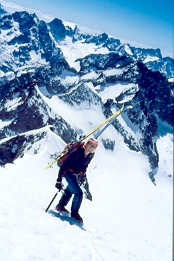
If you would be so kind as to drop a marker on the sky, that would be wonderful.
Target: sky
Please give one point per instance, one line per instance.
(144, 22)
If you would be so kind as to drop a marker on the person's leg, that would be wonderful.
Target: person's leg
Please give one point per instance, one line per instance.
(65, 197)
(76, 190)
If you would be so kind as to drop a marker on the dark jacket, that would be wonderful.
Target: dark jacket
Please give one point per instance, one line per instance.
(76, 162)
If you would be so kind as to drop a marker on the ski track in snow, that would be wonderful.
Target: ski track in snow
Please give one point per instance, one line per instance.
(128, 219)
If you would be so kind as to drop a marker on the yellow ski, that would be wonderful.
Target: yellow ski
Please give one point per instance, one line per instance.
(88, 134)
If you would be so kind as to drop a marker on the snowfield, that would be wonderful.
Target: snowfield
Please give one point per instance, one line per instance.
(129, 218)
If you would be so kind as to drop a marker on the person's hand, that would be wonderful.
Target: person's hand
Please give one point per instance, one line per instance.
(80, 173)
(59, 185)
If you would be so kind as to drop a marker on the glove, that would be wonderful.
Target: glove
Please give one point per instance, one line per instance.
(59, 185)
(81, 173)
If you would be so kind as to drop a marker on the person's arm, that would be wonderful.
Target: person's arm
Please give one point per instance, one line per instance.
(66, 165)
(85, 166)
(82, 173)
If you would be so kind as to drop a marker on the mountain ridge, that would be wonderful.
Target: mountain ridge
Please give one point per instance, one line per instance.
(59, 61)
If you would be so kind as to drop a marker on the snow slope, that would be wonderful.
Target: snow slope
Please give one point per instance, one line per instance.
(128, 219)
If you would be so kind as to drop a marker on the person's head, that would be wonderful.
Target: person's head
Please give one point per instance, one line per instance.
(90, 146)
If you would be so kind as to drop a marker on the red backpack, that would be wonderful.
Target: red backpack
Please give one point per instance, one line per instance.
(69, 148)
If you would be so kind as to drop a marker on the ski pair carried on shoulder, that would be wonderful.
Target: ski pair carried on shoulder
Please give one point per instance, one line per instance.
(75, 143)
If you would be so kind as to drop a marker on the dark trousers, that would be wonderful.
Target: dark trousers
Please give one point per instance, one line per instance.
(72, 188)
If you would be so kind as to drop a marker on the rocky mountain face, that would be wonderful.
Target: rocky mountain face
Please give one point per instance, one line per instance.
(39, 61)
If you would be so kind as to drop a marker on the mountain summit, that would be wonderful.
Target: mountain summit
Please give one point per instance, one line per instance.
(47, 68)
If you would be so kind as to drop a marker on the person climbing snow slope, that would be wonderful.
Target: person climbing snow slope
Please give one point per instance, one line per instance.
(73, 170)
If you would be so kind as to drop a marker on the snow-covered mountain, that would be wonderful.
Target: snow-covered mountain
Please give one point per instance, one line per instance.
(42, 63)
(57, 83)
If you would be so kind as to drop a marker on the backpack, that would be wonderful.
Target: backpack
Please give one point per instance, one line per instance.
(69, 148)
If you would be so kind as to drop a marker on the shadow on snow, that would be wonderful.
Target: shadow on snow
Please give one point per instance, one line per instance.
(66, 217)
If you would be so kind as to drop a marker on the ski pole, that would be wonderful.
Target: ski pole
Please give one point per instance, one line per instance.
(52, 201)
(54, 198)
